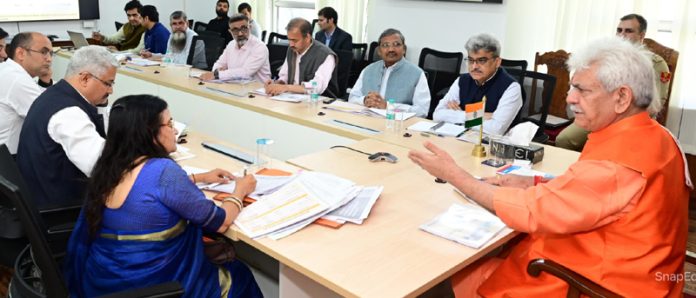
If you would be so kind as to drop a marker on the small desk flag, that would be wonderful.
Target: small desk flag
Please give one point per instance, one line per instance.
(474, 114)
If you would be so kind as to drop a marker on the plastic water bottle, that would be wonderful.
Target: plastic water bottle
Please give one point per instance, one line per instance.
(390, 114)
(166, 60)
(263, 158)
(314, 94)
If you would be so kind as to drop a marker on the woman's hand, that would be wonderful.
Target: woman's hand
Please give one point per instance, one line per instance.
(244, 186)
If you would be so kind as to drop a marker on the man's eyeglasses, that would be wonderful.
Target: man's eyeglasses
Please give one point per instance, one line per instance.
(479, 61)
(44, 52)
(243, 29)
(386, 45)
(105, 83)
(170, 123)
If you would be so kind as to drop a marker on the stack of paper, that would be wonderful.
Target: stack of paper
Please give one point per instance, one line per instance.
(264, 185)
(296, 204)
(358, 208)
(467, 224)
(441, 128)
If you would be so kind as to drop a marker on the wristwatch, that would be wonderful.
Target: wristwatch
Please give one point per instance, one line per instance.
(216, 74)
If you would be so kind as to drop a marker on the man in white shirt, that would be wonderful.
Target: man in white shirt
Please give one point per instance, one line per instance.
(485, 78)
(63, 135)
(246, 57)
(179, 44)
(30, 55)
(306, 61)
(393, 77)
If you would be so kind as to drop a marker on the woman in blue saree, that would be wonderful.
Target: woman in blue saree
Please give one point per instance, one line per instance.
(144, 217)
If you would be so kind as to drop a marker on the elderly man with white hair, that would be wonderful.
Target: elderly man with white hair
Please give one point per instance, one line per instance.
(63, 134)
(181, 40)
(618, 216)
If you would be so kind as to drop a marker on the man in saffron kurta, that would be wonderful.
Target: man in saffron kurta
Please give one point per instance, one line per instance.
(618, 216)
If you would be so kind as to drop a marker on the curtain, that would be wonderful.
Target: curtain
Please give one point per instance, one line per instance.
(352, 16)
(682, 107)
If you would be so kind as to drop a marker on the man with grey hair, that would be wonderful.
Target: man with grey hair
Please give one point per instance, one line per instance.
(306, 61)
(63, 134)
(485, 79)
(180, 41)
(30, 56)
(393, 77)
(631, 27)
(617, 216)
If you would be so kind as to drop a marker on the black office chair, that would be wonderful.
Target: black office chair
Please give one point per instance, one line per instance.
(276, 57)
(536, 110)
(190, 23)
(200, 27)
(214, 45)
(315, 29)
(442, 69)
(48, 279)
(118, 25)
(263, 35)
(192, 51)
(373, 53)
(277, 38)
(359, 63)
(516, 64)
(345, 61)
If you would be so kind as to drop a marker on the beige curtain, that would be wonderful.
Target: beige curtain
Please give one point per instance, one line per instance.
(352, 16)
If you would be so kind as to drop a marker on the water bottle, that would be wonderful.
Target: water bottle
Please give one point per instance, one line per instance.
(390, 114)
(314, 94)
(167, 59)
(263, 158)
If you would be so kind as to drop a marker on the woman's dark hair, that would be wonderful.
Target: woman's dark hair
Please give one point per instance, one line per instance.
(134, 123)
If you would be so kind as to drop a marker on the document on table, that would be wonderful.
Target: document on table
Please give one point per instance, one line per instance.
(399, 116)
(264, 185)
(441, 128)
(347, 107)
(358, 208)
(467, 224)
(143, 62)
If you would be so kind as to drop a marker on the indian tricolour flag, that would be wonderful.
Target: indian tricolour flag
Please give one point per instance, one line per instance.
(474, 114)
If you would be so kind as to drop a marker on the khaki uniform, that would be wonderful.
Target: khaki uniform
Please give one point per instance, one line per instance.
(574, 137)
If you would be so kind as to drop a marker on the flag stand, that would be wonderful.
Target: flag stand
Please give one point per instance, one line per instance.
(479, 150)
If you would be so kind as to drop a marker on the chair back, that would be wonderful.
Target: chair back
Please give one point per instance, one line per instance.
(11, 226)
(556, 66)
(536, 109)
(345, 61)
(200, 27)
(359, 63)
(118, 25)
(190, 23)
(373, 53)
(671, 56)
(51, 275)
(263, 35)
(516, 64)
(192, 51)
(277, 38)
(214, 45)
(276, 57)
(442, 69)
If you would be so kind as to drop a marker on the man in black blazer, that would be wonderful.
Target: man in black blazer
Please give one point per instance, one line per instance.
(330, 35)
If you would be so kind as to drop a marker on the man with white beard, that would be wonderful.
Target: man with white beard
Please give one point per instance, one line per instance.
(180, 41)
(245, 57)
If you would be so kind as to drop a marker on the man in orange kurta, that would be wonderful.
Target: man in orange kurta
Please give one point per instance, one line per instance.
(618, 216)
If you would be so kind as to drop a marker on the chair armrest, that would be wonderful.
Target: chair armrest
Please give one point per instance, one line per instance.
(168, 289)
(576, 283)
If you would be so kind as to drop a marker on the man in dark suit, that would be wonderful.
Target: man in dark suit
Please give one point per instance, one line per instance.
(330, 35)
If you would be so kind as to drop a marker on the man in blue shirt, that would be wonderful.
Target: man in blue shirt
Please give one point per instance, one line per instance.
(156, 36)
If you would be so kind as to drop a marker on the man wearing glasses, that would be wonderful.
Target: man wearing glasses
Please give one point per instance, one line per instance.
(306, 61)
(485, 78)
(29, 56)
(63, 134)
(246, 57)
(393, 77)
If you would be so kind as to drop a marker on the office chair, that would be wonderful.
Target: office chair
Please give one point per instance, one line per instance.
(359, 63)
(577, 284)
(214, 45)
(118, 25)
(373, 53)
(263, 35)
(516, 64)
(276, 57)
(555, 63)
(536, 109)
(671, 56)
(38, 254)
(442, 69)
(277, 38)
(192, 50)
(345, 61)
(200, 27)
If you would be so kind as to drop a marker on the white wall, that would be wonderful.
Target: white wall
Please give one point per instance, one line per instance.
(443, 26)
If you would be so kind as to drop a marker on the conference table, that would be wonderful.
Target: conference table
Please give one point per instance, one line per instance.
(386, 256)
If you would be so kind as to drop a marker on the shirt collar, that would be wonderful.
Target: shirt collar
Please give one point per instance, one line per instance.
(493, 76)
